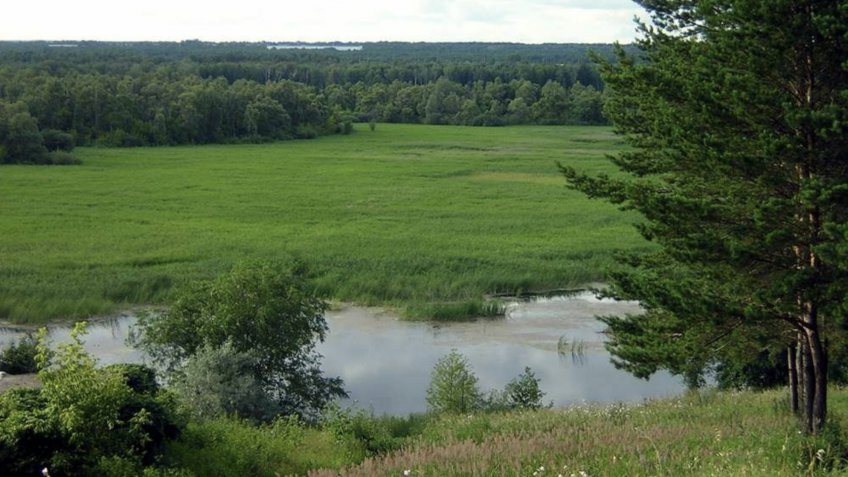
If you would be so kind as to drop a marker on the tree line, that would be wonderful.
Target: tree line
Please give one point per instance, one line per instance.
(197, 93)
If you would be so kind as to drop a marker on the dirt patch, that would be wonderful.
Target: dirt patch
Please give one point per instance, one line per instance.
(10, 381)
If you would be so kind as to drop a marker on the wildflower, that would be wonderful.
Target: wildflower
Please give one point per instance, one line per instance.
(820, 455)
(45, 472)
(407, 473)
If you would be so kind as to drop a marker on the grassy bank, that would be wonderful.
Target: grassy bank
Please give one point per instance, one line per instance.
(432, 217)
(698, 435)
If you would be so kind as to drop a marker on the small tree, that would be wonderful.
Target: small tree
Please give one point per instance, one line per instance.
(524, 392)
(453, 386)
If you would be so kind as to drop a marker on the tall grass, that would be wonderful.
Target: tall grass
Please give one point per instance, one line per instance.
(407, 216)
(701, 434)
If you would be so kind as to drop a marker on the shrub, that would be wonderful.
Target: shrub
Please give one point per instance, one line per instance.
(523, 392)
(19, 358)
(55, 140)
(83, 417)
(218, 382)
(453, 386)
(59, 158)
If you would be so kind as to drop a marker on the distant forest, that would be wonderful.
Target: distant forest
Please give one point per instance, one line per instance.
(139, 94)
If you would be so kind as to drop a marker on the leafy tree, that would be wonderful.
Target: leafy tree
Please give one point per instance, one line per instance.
(553, 106)
(266, 117)
(737, 118)
(19, 135)
(453, 386)
(264, 312)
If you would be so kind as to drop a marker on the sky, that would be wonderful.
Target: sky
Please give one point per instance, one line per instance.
(519, 21)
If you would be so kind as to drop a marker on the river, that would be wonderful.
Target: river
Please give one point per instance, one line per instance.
(386, 362)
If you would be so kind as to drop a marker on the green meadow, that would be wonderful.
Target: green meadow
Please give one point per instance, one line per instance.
(428, 219)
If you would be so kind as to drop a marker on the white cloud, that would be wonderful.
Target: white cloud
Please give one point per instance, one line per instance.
(529, 21)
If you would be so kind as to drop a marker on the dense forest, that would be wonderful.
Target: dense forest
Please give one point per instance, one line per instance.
(138, 94)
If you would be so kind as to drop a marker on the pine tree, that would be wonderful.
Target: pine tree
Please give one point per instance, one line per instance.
(737, 112)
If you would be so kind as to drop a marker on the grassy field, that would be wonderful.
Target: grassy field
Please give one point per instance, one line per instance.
(706, 434)
(424, 218)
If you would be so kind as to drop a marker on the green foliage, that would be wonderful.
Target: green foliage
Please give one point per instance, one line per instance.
(163, 94)
(508, 227)
(218, 381)
(19, 357)
(19, 135)
(59, 158)
(453, 386)
(736, 168)
(55, 140)
(232, 447)
(266, 320)
(362, 432)
(82, 417)
(524, 392)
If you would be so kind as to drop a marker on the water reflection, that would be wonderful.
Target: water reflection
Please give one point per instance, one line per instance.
(105, 338)
(386, 363)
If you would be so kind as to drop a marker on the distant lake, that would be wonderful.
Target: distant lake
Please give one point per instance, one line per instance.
(316, 47)
(386, 362)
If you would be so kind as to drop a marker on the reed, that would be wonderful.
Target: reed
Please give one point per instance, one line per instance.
(429, 218)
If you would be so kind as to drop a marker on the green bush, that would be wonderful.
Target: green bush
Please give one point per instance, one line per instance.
(218, 382)
(524, 392)
(19, 357)
(55, 140)
(360, 429)
(84, 417)
(232, 447)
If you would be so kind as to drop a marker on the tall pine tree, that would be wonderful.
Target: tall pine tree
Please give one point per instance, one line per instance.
(737, 112)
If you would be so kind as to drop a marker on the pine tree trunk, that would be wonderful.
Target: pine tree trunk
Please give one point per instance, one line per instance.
(793, 378)
(818, 365)
(807, 385)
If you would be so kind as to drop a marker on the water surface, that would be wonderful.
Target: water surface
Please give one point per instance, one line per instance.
(386, 362)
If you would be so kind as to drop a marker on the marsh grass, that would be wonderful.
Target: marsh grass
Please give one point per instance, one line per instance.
(575, 348)
(423, 218)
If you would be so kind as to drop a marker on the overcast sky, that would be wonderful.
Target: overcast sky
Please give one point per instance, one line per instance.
(524, 21)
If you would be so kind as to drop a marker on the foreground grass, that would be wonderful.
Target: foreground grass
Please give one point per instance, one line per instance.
(700, 434)
(427, 218)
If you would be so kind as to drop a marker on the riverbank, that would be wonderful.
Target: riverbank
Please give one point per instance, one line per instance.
(700, 434)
